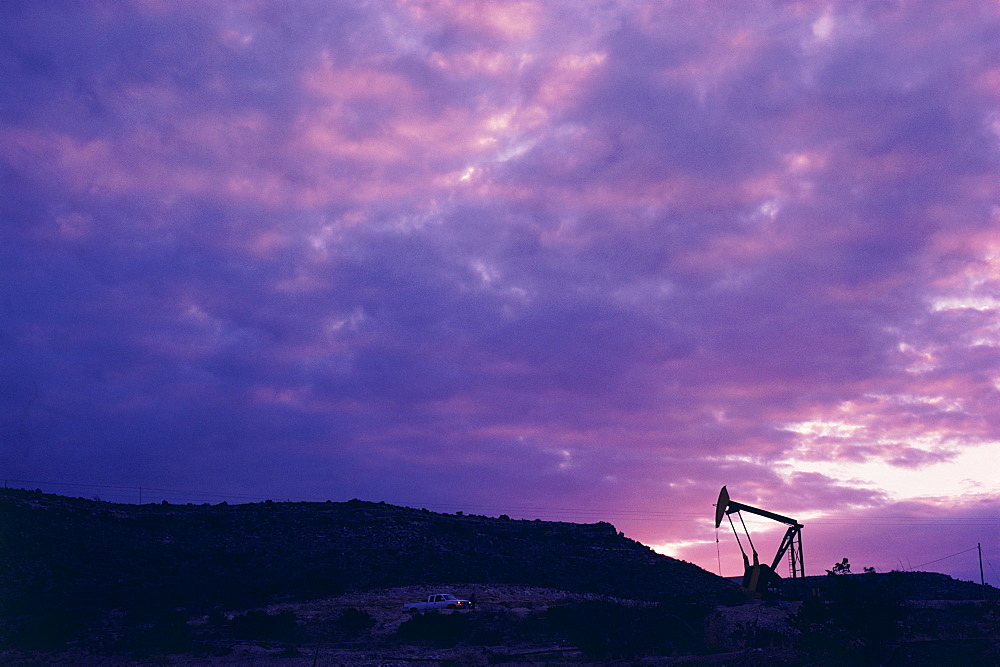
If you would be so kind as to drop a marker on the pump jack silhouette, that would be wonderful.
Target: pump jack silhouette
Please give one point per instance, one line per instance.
(760, 578)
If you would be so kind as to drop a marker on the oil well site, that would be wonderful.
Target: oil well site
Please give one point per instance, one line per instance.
(88, 582)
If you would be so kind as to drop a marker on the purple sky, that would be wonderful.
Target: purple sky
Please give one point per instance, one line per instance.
(569, 259)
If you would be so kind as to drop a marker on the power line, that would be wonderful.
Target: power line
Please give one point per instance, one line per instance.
(631, 514)
(942, 558)
(89, 486)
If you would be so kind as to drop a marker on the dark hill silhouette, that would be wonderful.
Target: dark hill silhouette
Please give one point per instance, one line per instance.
(84, 556)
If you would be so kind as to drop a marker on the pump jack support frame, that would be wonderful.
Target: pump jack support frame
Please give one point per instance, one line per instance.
(791, 543)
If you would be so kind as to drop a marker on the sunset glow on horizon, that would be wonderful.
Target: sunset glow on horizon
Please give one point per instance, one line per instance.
(574, 260)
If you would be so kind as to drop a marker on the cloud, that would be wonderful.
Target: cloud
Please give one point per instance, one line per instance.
(590, 256)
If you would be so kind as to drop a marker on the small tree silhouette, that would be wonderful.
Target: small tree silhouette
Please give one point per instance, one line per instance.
(843, 567)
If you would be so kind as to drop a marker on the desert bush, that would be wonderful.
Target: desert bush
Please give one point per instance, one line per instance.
(46, 626)
(258, 624)
(166, 632)
(604, 629)
(489, 633)
(861, 615)
(354, 621)
(443, 630)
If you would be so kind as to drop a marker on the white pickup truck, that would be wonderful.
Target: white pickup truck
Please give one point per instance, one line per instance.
(438, 601)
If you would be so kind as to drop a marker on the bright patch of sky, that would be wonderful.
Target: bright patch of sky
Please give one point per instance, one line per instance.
(973, 471)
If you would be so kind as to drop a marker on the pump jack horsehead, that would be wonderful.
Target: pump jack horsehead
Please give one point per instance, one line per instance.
(759, 578)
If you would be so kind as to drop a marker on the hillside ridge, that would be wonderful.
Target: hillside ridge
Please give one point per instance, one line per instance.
(254, 553)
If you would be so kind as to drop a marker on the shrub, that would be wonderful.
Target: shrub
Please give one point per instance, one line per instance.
(49, 626)
(603, 629)
(857, 623)
(443, 630)
(159, 631)
(354, 621)
(258, 624)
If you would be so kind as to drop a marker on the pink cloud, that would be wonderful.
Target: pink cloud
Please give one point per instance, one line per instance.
(598, 257)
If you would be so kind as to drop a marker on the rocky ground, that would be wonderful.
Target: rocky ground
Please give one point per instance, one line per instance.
(379, 645)
(755, 633)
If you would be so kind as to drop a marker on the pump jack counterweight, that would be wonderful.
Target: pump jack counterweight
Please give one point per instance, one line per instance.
(759, 578)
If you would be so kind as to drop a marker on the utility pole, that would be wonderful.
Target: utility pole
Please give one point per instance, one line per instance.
(982, 579)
